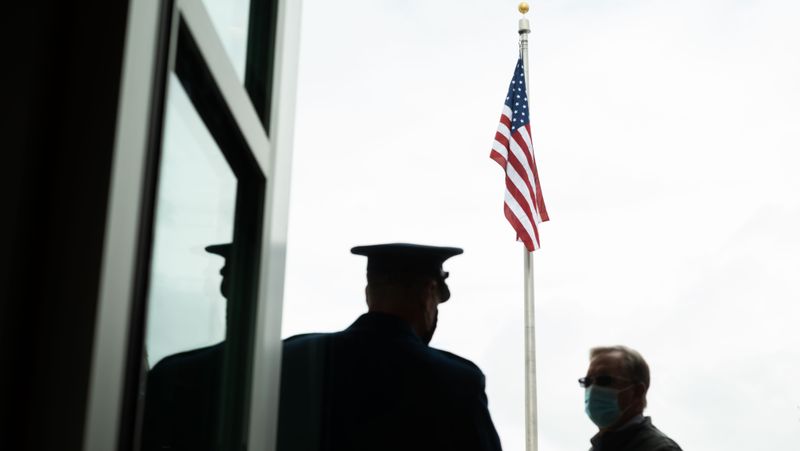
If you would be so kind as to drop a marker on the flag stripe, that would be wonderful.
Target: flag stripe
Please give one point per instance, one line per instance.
(519, 161)
(518, 189)
(500, 143)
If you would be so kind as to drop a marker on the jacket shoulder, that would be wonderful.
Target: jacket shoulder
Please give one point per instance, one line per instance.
(457, 359)
(460, 366)
(654, 439)
(305, 343)
(304, 337)
(201, 357)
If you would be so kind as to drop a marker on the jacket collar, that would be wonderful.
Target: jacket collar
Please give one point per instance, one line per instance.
(384, 324)
(608, 439)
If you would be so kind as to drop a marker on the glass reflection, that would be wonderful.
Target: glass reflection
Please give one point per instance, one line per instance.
(186, 304)
(231, 22)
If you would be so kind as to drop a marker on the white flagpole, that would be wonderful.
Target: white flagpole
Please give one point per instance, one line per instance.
(531, 417)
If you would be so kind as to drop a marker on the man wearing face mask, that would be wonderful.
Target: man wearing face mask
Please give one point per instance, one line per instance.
(616, 386)
(377, 385)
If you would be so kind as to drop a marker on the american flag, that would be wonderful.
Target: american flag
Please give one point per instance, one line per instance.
(512, 149)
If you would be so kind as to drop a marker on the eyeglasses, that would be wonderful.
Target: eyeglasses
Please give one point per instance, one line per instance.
(600, 381)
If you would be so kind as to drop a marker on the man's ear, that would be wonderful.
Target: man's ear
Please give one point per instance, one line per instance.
(639, 390)
(423, 291)
(433, 288)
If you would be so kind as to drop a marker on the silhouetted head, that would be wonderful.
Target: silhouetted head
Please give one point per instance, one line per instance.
(407, 280)
(224, 251)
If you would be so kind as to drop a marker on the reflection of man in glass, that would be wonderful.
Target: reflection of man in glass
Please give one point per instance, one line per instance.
(183, 395)
(223, 250)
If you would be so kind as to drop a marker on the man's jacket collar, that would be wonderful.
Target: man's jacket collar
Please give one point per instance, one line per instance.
(384, 324)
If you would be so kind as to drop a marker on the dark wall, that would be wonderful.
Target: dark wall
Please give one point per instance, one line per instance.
(61, 67)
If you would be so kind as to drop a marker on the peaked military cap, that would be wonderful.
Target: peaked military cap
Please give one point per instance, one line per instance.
(408, 258)
(404, 257)
(223, 250)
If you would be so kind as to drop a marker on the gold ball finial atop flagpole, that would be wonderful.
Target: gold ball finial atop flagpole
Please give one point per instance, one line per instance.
(524, 25)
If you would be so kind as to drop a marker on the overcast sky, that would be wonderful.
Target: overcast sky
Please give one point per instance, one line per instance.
(668, 140)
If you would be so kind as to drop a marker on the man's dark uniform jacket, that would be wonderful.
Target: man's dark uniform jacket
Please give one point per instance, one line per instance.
(640, 435)
(377, 386)
(182, 401)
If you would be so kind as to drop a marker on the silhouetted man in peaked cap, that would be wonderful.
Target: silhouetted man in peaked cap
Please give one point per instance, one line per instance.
(182, 405)
(377, 385)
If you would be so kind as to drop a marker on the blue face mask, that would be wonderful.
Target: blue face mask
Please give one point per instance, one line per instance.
(602, 406)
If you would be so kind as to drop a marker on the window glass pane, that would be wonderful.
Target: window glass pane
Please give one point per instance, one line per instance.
(186, 310)
(231, 20)
(194, 208)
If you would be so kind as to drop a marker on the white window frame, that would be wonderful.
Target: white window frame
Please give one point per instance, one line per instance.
(273, 155)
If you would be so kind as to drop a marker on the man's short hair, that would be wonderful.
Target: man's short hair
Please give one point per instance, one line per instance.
(633, 363)
(396, 278)
(405, 285)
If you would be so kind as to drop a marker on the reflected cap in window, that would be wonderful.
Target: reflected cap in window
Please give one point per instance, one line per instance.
(223, 250)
